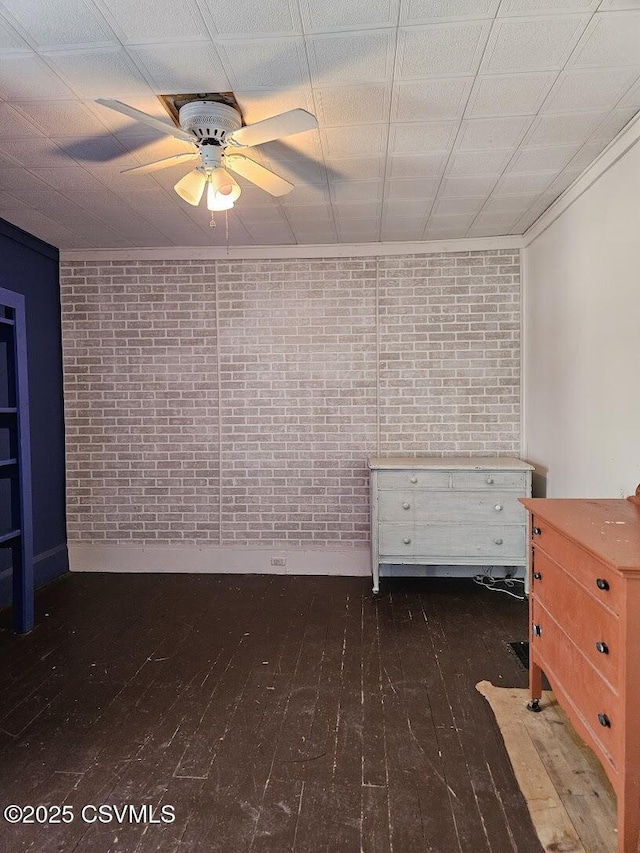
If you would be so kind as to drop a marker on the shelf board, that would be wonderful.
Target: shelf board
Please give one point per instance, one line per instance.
(6, 463)
(5, 321)
(7, 537)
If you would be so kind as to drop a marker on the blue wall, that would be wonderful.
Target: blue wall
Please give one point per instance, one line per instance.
(31, 267)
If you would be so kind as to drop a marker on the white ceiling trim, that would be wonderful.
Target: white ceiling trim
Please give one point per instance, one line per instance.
(617, 148)
(340, 250)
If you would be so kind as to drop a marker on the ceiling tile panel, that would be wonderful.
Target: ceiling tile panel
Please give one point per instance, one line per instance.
(479, 162)
(356, 141)
(607, 5)
(458, 206)
(27, 77)
(421, 188)
(50, 25)
(543, 159)
(510, 203)
(428, 100)
(358, 168)
(68, 178)
(13, 123)
(503, 221)
(467, 187)
(297, 171)
(523, 184)
(256, 106)
(358, 232)
(509, 94)
(486, 133)
(422, 165)
(613, 124)
(10, 40)
(356, 191)
(308, 213)
(546, 7)
(441, 50)
(154, 20)
(611, 40)
(562, 129)
(486, 231)
(187, 67)
(587, 154)
(402, 229)
(34, 151)
(598, 89)
(342, 105)
(532, 44)
(61, 118)
(422, 137)
(459, 222)
(328, 15)
(421, 11)
(407, 207)
(99, 73)
(268, 17)
(348, 212)
(348, 58)
(268, 64)
(306, 197)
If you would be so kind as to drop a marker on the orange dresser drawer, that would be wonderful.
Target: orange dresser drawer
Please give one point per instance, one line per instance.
(594, 629)
(596, 577)
(568, 671)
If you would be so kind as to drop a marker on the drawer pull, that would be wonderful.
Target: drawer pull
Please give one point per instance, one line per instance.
(601, 583)
(498, 541)
(498, 507)
(406, 505)
(604, 721)
(407, 541)
(536, 531)
(537, 576)
(536, 630)
(413, 479)
(603, 648)
(490, 481)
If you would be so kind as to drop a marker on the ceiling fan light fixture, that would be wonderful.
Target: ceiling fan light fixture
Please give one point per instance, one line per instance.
(222, 190)
(191, 187)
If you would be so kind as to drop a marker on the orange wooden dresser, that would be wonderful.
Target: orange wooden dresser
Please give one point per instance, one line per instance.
(584, 604)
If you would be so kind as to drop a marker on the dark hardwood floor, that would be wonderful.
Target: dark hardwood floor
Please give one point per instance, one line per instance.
(273, 713)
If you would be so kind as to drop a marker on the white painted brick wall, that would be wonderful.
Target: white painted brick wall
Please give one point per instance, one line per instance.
(236, 402)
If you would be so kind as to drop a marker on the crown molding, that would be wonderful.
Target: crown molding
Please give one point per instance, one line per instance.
(337, 250)
(617, 148)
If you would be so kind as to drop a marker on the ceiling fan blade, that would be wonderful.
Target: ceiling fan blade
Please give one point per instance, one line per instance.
(191, 187)
(138, 115)
(164, 163)
(258, 175)
(285, 124)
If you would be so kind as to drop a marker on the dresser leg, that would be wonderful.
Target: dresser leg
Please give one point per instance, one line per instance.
(629, 817)
(535, 685)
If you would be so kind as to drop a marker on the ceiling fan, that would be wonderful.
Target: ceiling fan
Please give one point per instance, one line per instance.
(215, 129)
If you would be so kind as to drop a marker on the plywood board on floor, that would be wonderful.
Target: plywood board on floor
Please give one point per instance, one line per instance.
(569, 797)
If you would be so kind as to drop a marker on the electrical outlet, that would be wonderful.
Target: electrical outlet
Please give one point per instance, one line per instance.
(278, 561)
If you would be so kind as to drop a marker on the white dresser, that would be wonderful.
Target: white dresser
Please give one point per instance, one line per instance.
(448, 511)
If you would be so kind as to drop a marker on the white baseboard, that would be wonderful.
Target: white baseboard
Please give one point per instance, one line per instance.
(219, 559)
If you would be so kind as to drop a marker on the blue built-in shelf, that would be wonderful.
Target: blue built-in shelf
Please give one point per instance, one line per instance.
(16, 464)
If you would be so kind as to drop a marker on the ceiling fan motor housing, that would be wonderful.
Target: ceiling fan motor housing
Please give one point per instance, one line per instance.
(210, 121)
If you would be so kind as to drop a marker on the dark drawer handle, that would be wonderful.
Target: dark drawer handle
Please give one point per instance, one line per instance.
(603, 648)
(604, 721)
(536, 531)
(601, 583)
(536, 630)
(537, 576)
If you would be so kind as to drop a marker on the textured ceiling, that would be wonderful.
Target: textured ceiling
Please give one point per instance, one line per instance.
(438, 118)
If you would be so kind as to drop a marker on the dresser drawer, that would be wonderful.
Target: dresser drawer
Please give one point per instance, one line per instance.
(568, 671)
(452, 507)
(594, 629)
(409, 479)
(596, 577)
(444, 540)
(491, 480)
